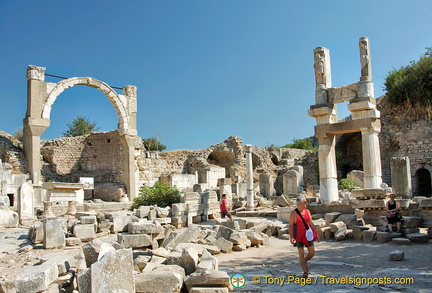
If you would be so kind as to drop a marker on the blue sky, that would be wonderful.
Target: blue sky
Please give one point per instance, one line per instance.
(205, 69)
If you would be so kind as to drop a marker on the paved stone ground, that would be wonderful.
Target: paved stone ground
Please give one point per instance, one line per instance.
(354, 259)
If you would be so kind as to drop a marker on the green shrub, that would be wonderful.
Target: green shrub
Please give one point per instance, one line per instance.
(159, 194)
(347, 184)
(307, 143)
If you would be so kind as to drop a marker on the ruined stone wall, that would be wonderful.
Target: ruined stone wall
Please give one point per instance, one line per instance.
(97, 155)
(404, 133)
(11, 154)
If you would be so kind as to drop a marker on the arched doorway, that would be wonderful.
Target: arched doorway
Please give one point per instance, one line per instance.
(424, 187)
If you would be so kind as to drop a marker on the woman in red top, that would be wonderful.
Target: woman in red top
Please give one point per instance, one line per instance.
(297, 232)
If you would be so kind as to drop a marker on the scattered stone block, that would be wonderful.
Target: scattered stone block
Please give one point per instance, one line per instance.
(114, 271)
(340, 234)
(331, 217)
(337, 226)
(36, 233)
(411, 222)
(401, 241)
(145, 227)
(384, 237)
(134, 240)
(396, 255)
(222, 231)
(161, 280)
(359, 213)
(327, 233)
(73, 241)
(140, 262)
(142, 211)
(280, 201)
(189, 260)
(349, 220)
(85, 232)
(91, 251)
(208, 290)
(120, 223)
(162, 221)
(208, 278)
(105, 248)
(319, 223)
(84, 280)
(54, 236)
(369, 235)
(36, 278)
(224, 245)
(418, 237)
(88, 220)
(208, 261)
(238, 237)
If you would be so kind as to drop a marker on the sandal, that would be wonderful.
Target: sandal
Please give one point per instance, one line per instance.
(305, 275)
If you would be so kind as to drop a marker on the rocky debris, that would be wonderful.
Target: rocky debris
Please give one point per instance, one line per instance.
(418, 237)
(401, 241)
(396, 255)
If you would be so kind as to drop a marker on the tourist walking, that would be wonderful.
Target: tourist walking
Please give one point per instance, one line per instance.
(224, 208)
(303, 233)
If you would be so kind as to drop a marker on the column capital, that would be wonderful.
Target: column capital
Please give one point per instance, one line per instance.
(35, 73)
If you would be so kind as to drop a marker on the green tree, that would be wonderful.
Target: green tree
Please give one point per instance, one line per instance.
(347, 184)
(159, 194)
(80, 126)
(411, 83)
(152, 144)
(307, 143)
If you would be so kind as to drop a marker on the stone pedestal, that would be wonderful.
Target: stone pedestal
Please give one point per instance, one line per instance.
(401, 176)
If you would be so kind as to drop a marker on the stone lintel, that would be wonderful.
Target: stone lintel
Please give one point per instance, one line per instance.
(348, 126)
(361, 106)
(321, 110)
(342, 94)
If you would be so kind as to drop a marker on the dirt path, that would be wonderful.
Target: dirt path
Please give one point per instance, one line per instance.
(344, 261)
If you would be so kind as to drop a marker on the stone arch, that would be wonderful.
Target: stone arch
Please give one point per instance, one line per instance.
(222, 158)
(41, 96)
(112, 96)
(422, 180)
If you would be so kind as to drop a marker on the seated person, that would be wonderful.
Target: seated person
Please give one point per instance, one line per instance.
(393, 213)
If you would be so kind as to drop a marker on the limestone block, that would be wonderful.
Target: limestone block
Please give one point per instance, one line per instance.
(88, 220)
(222, 231)
(224, 245)
(357, 177)
(140, 262)
(162, 212)
(239, 247)
(238, 237)
(396, 255)
(105, 248)
(266, 239)
(208, 278)
(113, 271)
(189, 260)
(145, 227)
(210, 197)
(142, 211)
(161, 280)
(91, 251)
(53, 234)
(425, 203)
(257, 225)
(255, 238)
(134, 240)
(327, 233)
(418, 237)
(194, 209)
(120, 223)
(208, 261)
(369, 236)
(349, 220)
(162, 221)
(401, 241)
(36, 233)
(319, 223)
(178, 209)
(406, 231)
(280, 201)
(188, 235)
(411, 222)
(331, 217)
(36, 278)
(230, 224)
(73, 241)
(8, 218)
(191, 198)
(283, 213)
(158, 260)
(336, 226)
(384, 237)
(85, 232)
(340, 234)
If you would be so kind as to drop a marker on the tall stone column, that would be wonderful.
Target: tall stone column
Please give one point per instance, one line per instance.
(249, 179)
(371, 158)
(128, 174)
(328, 169)
(322, 74)
(401, 176)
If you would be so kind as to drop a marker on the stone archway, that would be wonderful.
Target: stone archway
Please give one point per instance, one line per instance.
(41, 96)
(423, 179)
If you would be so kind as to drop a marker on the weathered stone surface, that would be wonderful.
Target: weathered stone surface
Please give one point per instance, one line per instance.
(178, 209)
(340, 234)
(145, 227)
(36, 278)
(331, 217)
(238, 237)
(73, 241)
(222, 231)
(88, 220)
(84, 280)
(36, 233)
(189, 260)
(84, 232)
(411, 222)
(120, 223)
(349, 220)
(162, 252)
(141, 261)
(105, 248)
(91, 251)
(63, 261)
(255, 238)
(337, 226)
(113, 271)
(142, 211)
(396, 255)
(280, 201)
(384, 237)
(209, 290)
(369, 236)
(162, 279)
(327, 233)
(208, 278)
(319, 223)
(224, 245)
(134, 240)
(418, 237)
(401, 241)
(208, 261)
(53, 233)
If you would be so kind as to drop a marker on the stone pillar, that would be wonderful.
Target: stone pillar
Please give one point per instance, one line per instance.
(47, 211)
(130, 92)
(328, 169)
(401, 176)
(34, 124)
(26, 204)
(371, 158)
(293, 180)
(71, 208)
(128, 174)
(249, 179)
(266, 185)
